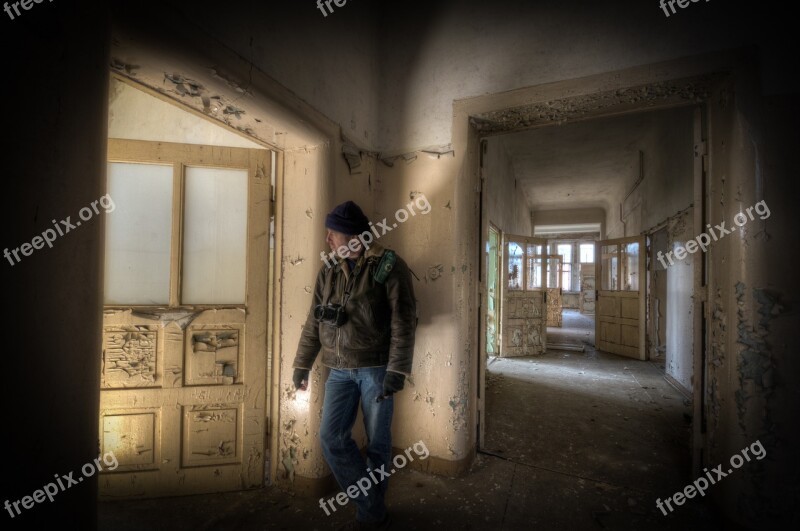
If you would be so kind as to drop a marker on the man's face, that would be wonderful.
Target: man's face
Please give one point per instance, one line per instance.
(337, 240)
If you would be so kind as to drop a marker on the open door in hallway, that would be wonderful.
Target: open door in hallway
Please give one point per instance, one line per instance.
(183, 389)
(554, 300)
(524, 312)
(620, 306)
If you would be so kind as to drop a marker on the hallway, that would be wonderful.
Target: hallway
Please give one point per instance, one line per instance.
(608, 433)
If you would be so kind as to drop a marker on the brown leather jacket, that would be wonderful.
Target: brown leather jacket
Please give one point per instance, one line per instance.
(381, 318)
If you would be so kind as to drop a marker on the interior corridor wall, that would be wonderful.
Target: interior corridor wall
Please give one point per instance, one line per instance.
(679, 309)
(506, 201)
(668, 175)
(752, 337)
(52, 297)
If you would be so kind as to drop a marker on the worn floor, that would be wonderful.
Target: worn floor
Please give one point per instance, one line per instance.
(574, 440)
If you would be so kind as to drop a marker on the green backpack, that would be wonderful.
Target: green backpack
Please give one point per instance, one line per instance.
(385, 266)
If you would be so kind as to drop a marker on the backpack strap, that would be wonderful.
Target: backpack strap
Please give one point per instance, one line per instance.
(385, 266)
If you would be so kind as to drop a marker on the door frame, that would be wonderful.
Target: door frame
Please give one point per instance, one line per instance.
(716, 67)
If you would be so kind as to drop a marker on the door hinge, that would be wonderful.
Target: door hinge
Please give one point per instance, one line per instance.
(701, 149)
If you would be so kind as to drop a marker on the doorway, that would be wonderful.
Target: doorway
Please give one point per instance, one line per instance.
(581, 407)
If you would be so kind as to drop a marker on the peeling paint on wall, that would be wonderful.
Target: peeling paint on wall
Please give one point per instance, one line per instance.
(459, 412)
(756, 368)
(577, 107)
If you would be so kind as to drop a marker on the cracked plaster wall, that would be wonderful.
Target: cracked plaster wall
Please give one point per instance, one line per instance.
(331, 64)
(136, 115)
(753, 369)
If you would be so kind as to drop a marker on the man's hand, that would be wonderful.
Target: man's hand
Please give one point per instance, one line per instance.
(392, 383)
(300, 379)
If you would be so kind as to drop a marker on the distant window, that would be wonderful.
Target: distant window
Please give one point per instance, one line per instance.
(587, 253)
(565, 250)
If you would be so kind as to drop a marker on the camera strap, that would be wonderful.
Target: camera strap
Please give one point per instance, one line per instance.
(330, 283)
(351, 282)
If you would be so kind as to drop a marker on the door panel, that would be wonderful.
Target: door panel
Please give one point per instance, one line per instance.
(620, 303)
(609, 332)
(629, 308)
(183, 387)
(587, 302)
(524, 312)
(554, 302)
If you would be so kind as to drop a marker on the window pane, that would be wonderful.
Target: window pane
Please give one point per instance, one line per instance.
(553, 273)
(535, 272)
(630, 267)
(215, 236)
(565, 250)
(566, 277)
(609, 262)
(138, 234)
(534, 249)
(587, 253)
(515, 256)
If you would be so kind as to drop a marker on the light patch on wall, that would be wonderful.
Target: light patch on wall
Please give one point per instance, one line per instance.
(133, 114)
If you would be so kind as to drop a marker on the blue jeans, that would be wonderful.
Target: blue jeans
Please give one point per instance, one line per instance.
(343, 390)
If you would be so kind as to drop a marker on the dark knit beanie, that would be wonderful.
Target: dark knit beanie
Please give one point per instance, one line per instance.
(347, 218)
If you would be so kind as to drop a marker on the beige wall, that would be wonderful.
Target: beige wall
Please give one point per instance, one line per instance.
(567, 216)
(666, 188)
(136, 115)
(459, 49)
(506, 202)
